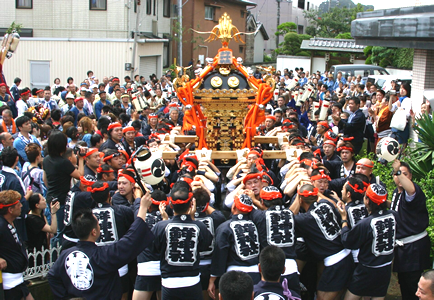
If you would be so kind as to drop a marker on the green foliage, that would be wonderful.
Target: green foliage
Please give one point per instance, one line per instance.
(344, 35)
(368, 61)
(303, 53)
(367, 51)
(404, 58)
(311, 30)
(291, 44)
(14, 27)
(285, 28)
(384, 172)
(401, 58)
(427, 185)
(333, 22)
(267, 58)
(422, 156)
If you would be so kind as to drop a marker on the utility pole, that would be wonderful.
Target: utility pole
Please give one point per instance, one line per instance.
(278, 21)
(180, 32)
(136, 37)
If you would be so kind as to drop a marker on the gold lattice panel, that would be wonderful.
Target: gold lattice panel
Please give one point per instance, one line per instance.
(225, 118)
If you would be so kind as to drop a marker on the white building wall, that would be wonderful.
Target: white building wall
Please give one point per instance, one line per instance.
(75, 58)
(258, 48)
(74, 19)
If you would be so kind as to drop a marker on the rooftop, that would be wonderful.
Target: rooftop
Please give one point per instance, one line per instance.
(330, 44)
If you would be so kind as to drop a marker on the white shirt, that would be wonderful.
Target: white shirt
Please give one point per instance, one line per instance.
(21, 107)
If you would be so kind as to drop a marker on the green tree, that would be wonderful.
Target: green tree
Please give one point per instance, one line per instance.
(291, 43)
(332, 23)
(285, 28)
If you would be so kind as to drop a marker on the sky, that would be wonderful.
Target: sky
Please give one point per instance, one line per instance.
(386, 4)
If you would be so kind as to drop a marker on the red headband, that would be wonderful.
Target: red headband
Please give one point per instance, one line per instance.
(271, 117)
(4, 84)
(321, 175)
(10, 204)
(155, 116)
(364, 165)
(114, 125)
(84, 181)
(242, 206)
(90, 152)
(186, 179)
(100, 170)
(345, 148)
(255, 153)
(128, 177)
(328, 136)
(156, 202)
(356, 188)
(317, 152)
(324, 124)
(346, 139)
(100, 189)
(128, 128)
(306, 161)
(330, 142)
(251, 176)
(25, 93)
(37, 92)
(180, 201)
(264, 195)
(307, 193)
(374, 197)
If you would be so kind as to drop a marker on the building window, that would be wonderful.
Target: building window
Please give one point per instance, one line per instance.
(209, 13)
(148, 7)
(300, 29)
(166, 8)
(242, 14)
(98, 4)
(155, 8)
(241, 49)
(24, 4)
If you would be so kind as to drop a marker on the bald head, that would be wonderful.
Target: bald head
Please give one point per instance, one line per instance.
(425, 286)
(309, 199)
(365, 166)
(6, 139)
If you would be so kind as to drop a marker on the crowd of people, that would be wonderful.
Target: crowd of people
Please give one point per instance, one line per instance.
(317, 225)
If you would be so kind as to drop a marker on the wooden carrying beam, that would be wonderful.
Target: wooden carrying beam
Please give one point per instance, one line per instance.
(268, 154)
(182, 138)
(268, 139)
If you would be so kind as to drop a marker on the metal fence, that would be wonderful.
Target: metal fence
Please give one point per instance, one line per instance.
(40, 262)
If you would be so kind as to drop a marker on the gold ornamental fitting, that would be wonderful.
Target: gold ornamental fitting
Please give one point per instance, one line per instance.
(216, 82)
(233, 82)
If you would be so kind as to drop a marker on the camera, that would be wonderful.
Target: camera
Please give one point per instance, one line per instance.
(392, 92)
(80, 150)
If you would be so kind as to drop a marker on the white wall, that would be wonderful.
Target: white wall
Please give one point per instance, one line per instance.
(75, 58)
(318, 64)
(292, 62)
